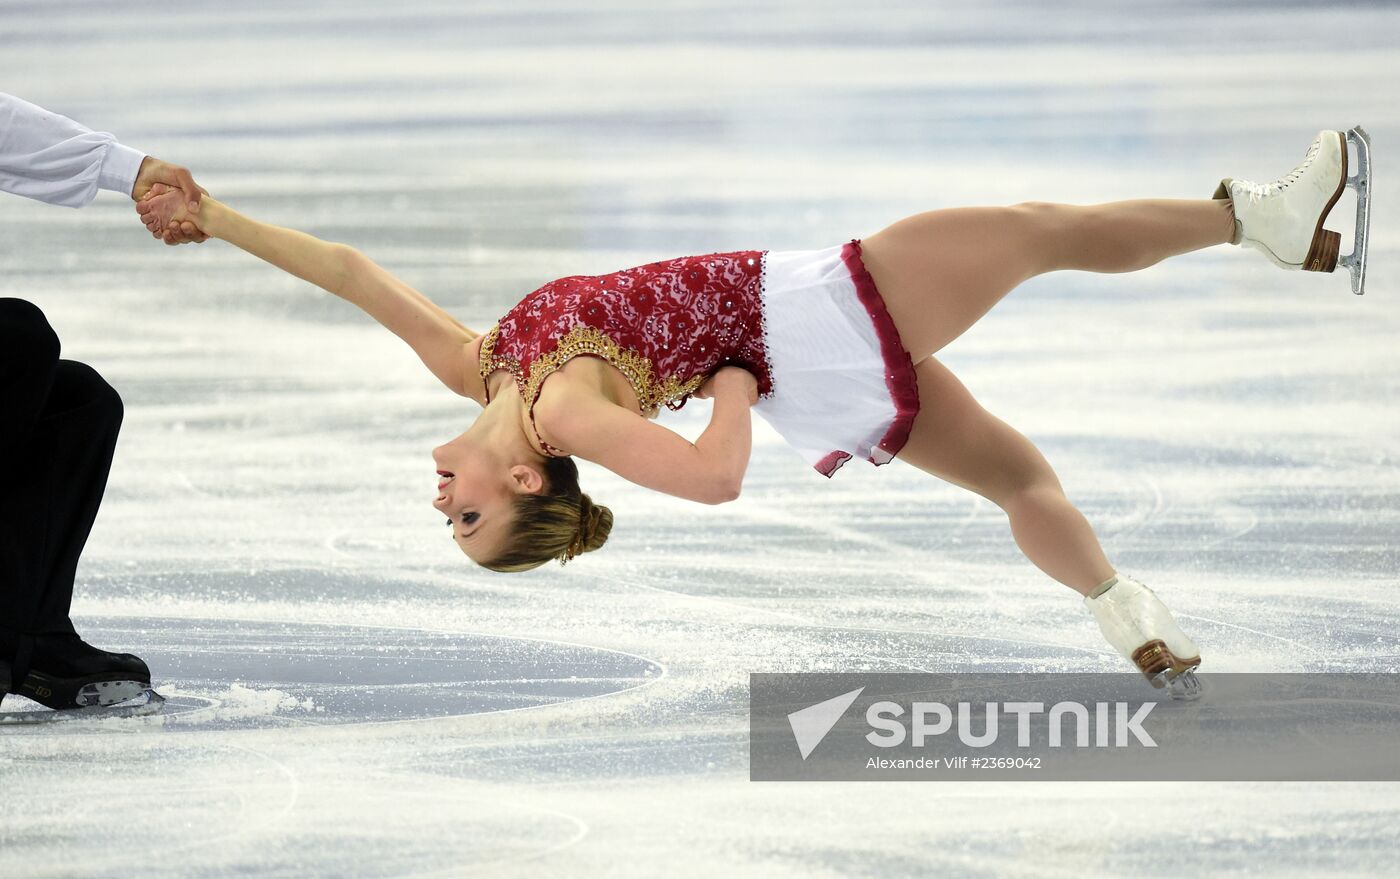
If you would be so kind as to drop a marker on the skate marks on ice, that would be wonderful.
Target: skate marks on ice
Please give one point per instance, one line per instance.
(215, 793)
(905, 605)
(815, 636)
(231, 673)
(911, 587)
(253, 807)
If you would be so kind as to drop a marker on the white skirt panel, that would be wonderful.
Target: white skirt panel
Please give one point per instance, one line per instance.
(843, 385)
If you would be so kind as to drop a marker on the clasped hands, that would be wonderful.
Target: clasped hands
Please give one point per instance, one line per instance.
(168, 200)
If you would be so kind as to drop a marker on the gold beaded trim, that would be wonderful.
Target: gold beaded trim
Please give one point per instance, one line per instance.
(488, 345)
(584, 339)
(490, 362)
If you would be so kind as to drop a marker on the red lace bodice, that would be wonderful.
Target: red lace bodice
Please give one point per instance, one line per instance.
(666, 326)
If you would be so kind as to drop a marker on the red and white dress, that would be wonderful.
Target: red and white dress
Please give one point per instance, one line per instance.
(833, 378)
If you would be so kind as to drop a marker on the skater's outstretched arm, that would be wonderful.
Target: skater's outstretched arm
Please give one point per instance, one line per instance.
(438, 339)
(709, 470)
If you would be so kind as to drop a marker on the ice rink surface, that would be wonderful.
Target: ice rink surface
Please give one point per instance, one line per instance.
(349, 697)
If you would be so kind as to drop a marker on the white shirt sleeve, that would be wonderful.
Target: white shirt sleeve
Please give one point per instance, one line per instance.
(51, 158)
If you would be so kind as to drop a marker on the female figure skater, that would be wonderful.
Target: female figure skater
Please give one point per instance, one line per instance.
(833, 347)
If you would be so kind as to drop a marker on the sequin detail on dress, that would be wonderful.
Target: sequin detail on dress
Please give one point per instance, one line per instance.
(666, 326)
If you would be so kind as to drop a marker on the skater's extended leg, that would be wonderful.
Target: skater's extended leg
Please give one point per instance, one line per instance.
(940, 271)
(957, 440)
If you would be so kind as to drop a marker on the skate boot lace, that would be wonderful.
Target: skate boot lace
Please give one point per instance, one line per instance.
(1259, 191)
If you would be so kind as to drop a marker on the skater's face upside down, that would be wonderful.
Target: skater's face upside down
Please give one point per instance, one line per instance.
(513, 513)
(477, 493)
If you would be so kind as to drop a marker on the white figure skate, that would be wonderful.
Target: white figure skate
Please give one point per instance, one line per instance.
(1143, 631)
(1283, 219)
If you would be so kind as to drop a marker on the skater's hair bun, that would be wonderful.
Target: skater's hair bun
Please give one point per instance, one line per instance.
(594, 525)
(559, 523)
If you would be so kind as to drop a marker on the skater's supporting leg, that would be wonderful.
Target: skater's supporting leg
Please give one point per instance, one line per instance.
(28, 360)
(58, 427)
(52, 495)
(939, 272)
(957, 440)
(76, 439)
(1055, 535)
(28, 356)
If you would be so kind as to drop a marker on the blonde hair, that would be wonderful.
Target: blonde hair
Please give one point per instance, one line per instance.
(559, 523)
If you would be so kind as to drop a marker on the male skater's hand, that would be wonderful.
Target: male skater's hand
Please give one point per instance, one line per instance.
(165, 212)
(156, 173)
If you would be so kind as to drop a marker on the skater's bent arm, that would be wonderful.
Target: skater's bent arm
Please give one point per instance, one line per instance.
(728, 440)
(710, 470)
(435, 336)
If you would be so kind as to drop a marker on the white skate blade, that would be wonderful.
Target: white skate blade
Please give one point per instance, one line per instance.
(1361, 182)
(145, 702)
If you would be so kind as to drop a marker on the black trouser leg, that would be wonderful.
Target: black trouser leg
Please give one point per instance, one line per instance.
(72, 454)
(58, 429)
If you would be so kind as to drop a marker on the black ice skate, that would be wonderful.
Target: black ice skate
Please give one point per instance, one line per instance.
(73, 678)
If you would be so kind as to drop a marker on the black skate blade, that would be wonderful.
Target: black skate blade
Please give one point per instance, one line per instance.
(143, 703)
